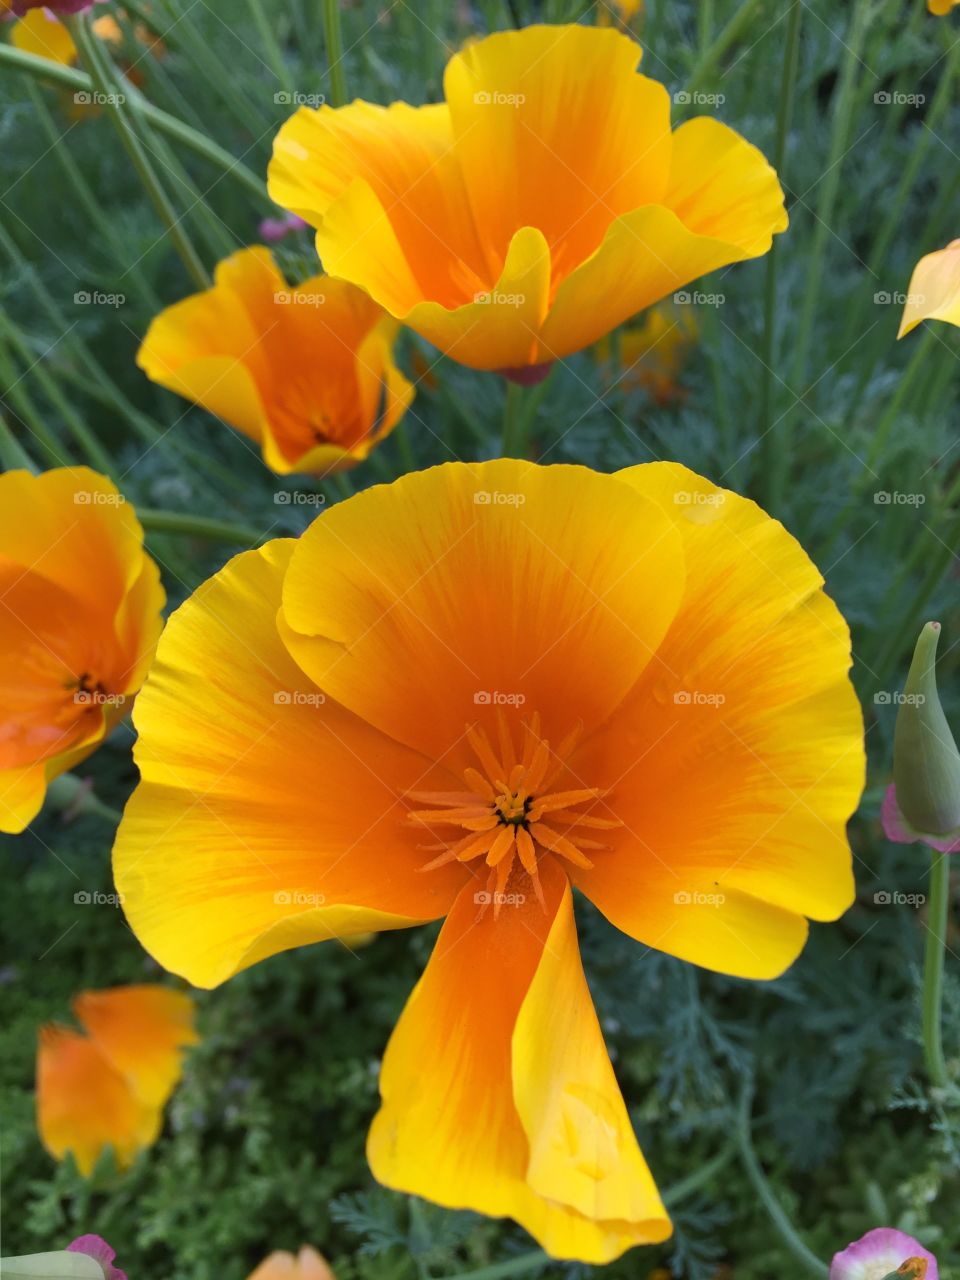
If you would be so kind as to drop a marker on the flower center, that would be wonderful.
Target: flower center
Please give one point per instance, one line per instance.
(509, 815)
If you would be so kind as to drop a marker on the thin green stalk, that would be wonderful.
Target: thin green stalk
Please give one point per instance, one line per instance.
(938, 914)
(95, 453)
(519, 411)
(709, 59)
(82, 190)
(23, 405)
(705, 25)
(184, 35)
(55, 73)
(765, 1194)
(12, 453)
(517, 1266)
(333, 33)
(156, 521)
(776, 454)
(843, 119)
(86, 44)
(918, 364)
(270, 44)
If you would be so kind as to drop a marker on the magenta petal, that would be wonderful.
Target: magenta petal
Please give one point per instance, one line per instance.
(877, 1254)
(896, 827)
(96, 1247)
(20, 7)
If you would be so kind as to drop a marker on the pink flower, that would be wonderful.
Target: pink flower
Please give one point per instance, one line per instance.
(272, 230)
(96, 1247)
(881, 1253)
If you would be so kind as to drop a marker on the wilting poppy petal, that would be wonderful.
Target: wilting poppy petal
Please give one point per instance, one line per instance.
(286, 808)
(80, 609)
(306, 372)
(85, 1105)
(96, 1247)
(737, 759)
(142, 1031)
(515, 1117)
(545, 202)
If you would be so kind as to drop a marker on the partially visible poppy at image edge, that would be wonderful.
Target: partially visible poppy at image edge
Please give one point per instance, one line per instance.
(82, 615)
(544, 202)
(461, 695)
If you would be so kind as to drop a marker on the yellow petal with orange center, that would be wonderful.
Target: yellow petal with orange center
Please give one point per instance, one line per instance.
(514, 1118)
(142, 1031)
(84, 1105)
(425, 604)
(934, 292)
(735, 763)
(267, 817)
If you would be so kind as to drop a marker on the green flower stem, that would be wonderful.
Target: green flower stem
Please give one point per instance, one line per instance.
(13, 456)
(517, 1266)
(95, 453)
(918, 366)
(937, 919)
(737, 27)
(82, 190)
(35, 422)
(519, 411)
(765, 1194)
(183, 34)
(270, 44)
(333, 33)
(156, 521)
(776, 452)
(54, 73)
(844, 115)
(87, 46)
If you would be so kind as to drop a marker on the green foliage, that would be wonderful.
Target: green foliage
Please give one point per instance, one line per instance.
(263, 1145)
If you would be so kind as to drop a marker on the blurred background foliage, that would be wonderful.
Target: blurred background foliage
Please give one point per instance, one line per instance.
(799, 397)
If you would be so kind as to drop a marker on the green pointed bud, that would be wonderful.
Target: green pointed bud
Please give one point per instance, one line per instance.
(926, 763)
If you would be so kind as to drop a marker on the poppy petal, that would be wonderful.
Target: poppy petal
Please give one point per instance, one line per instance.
(141, 1030)
(266, 817)
(735, 763)
(516, 1117)
(422, 604)
(85, 1106)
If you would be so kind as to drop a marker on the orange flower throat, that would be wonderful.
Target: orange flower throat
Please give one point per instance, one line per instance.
(509, 813)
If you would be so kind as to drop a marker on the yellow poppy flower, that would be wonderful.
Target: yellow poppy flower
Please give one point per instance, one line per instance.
(79, 623)
(942, 6)
(108, 1088)
(622, 10)
(460, 695)
(306, 372)
(652, 355)
(41, 33)
(542, 204)
(306, 1265)
(934, 292)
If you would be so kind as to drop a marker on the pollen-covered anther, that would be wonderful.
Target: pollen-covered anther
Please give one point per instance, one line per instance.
(508, 812)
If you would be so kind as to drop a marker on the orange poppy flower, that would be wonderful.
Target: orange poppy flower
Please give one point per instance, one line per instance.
(461, 695)
(306, 372)
(80, 618)
(542, 204)
(108, 1088)
(934, 292)
(306, 1265)
(652, 355)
